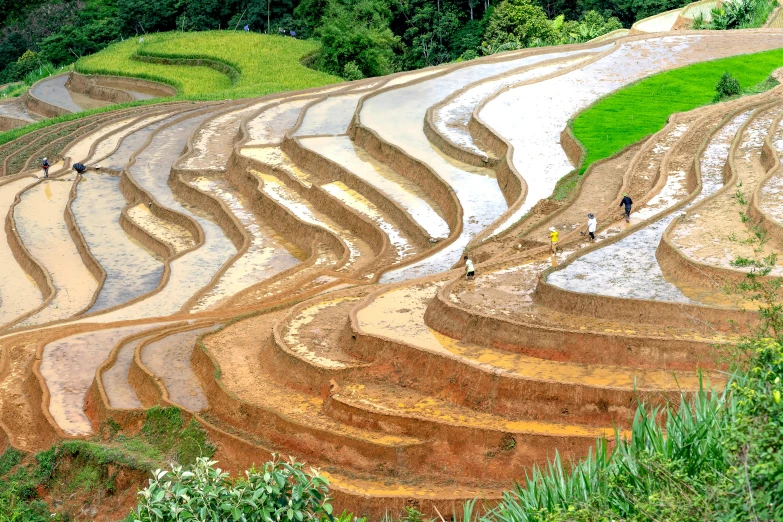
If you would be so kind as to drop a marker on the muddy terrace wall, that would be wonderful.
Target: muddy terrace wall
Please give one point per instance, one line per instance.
(84, 85)
(341, 448)
(330, 171)
(673, 261)
(562, 344)
(301, 234)
(504, 394)
(431, 184)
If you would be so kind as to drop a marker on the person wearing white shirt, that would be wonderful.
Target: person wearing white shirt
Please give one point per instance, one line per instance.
(592, 224)
(470, 272)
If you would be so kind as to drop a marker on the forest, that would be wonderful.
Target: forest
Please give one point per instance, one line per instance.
(359, 37)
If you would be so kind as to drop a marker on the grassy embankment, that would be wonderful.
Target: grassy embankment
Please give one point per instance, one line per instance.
(77, 477)
(641, 109)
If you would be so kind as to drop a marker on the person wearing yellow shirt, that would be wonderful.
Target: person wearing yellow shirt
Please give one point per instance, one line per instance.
(554, 235)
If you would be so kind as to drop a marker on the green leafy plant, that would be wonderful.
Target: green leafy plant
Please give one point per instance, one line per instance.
(727, 87)
(279, 491)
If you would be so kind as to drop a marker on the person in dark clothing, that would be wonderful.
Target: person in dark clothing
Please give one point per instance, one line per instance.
(627, 202)
(45, 166)
(79, 168)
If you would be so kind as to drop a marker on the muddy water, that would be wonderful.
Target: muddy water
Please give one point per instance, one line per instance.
(532, 117)
(399, 315)
(79, 151)
(399, 189)
(268, 254)
(108, 145)
(18, 292)
(400, 243)
(771, 201)
(329, 117)
(478, 214)
(118, 389)
(131, 270)
(133, 140)
(452, 118)
(304, 210)
(194, 270)
(41, 225)
(213, 144)
(675, 188)
(269, 127)
(169, 360)
(278, 160)
(175, 235)
(15, 108)
(301, 334)
(628, 268)
(53, 91)
(397, 115)
(68, 367)
(715, 234)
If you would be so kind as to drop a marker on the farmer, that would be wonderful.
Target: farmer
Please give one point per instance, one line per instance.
(45, 167)
(470, 272)
(79, 168)
(592, 224)
(627, 202)
(554, 235)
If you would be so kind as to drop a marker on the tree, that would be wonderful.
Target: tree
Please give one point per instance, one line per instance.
(310, 13)
(517, 21)
(12, 46)
(430, 26)
(357, 31)
(146, 16)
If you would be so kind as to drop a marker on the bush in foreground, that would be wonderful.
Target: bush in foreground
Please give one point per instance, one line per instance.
(278, 491)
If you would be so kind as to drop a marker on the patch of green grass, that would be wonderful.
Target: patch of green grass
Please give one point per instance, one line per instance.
(10, 458)
(642, 109)
(266, 63)
(13, 134)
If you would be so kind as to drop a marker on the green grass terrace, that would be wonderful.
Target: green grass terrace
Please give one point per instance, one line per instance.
(250, 64)
(630, 114)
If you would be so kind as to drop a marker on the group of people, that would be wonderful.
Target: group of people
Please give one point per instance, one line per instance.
(78, 167)
(592, 225)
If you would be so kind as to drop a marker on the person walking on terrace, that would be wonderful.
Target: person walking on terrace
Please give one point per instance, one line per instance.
(45, 167)
(627, 202)
(470, 272)
(554, 237)
(592, 224)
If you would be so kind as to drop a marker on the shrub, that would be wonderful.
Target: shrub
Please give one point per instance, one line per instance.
(278, 491)
(352, 72)
(727, 87)
(470, 54)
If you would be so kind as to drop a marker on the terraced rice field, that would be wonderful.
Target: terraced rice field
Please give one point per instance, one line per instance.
(289, 268)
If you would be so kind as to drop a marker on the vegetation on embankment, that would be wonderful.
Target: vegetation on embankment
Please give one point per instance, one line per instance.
(255, 64)
(641, 109)
(75, 478)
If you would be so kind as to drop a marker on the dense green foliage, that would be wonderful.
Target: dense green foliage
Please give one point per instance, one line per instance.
(278, 491)
(77, 471)
(265, 64)
(740, 14)
(628, 115)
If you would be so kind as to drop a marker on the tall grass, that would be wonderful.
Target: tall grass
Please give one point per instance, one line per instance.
(641, 109)
(681, 453)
